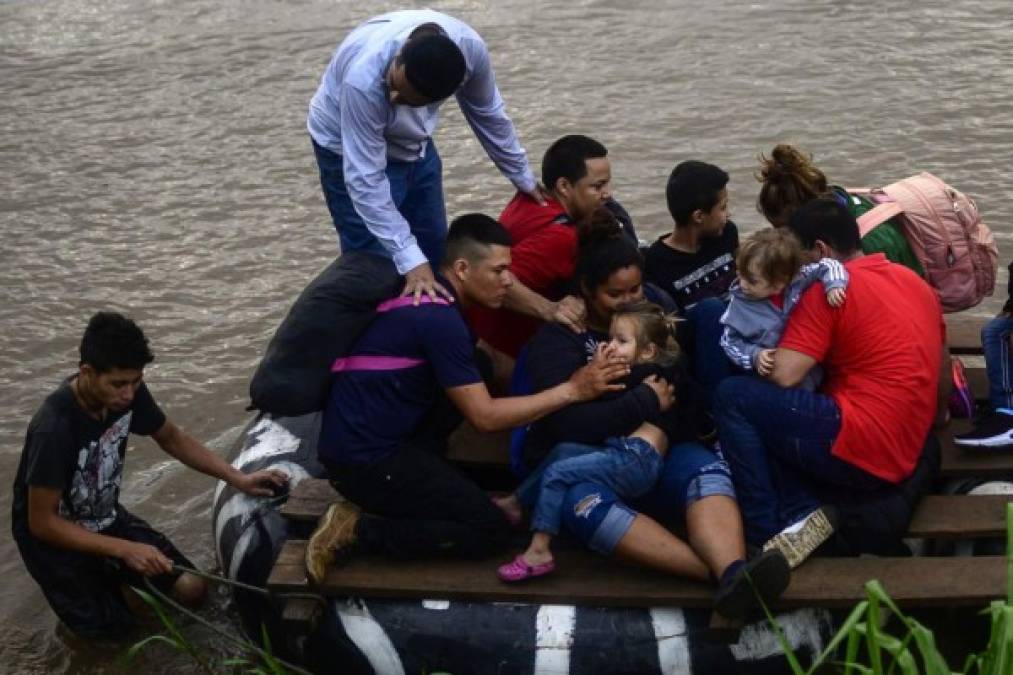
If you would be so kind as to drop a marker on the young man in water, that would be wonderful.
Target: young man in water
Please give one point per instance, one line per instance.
(77, 541)
(396, 398)
(372, 120)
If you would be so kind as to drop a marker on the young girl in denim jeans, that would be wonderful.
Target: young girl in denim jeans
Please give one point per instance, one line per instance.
(995, 429)
(642, 334)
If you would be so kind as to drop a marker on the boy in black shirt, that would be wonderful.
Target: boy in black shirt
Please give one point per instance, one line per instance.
(695, 263)
(76, 539)
(697, 259)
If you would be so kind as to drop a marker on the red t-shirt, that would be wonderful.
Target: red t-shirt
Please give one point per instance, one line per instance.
(881, 353)
(542, 258)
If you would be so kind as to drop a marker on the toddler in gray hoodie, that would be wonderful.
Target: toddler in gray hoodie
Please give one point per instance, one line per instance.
(771, 279)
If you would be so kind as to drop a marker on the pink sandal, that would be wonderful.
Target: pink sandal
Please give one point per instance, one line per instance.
(519, 570)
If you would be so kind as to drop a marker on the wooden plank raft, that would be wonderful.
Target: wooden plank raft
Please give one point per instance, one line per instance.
(584, 578)
(827, 582)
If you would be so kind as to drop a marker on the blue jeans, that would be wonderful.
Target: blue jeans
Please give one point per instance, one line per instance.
(995, 336)
(599, 518)
(710, 363)
(417, 191)
(778, 443)
(628, 466)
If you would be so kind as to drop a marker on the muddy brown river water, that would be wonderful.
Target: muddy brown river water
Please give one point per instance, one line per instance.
(154, 160)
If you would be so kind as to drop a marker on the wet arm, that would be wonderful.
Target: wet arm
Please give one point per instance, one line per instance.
(46, 524)
(187, 449)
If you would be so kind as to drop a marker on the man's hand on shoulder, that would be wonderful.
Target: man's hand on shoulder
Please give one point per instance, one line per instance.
(420, 280)
(570, 312)
(539, 194)
(263, 483)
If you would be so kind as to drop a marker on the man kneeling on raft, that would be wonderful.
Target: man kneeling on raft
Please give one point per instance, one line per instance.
(398, 395)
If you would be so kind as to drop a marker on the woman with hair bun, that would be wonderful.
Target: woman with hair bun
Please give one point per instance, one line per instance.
(789, 179)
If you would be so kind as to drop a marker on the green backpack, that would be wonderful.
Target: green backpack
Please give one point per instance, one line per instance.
(885, 238)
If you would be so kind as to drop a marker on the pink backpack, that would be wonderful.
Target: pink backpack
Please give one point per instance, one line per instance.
(946, 234)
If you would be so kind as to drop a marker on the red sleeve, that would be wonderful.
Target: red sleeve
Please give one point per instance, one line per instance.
(545, 258)
(810, 325)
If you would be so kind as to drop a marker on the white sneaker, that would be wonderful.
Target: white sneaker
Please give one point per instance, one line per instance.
(798, 541)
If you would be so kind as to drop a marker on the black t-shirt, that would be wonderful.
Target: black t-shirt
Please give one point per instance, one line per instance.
(691, 277)
(68, 450)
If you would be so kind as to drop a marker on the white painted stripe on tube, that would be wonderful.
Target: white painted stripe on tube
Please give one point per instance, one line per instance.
(801, 628)
(369, 637)
(554, 628)
(673, 643)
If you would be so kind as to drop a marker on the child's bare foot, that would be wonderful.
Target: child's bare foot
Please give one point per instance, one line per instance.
(511, 508)
(534, 558)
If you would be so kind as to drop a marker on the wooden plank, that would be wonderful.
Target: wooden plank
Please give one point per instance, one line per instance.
(584, 578)
(961, 462)
(959, 516)
(963, 333)
(309, 499)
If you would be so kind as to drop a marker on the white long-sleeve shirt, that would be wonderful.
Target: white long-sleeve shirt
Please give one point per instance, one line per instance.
(351, 115)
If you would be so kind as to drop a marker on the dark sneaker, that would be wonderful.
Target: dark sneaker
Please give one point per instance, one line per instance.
(798, 541)
(766, 576)
(335, 531)
(993, 431)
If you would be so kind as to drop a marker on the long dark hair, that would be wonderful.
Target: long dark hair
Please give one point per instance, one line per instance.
(789, 179)
(603, 251)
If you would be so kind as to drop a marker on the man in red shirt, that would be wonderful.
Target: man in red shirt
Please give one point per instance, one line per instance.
(882, 352)
(578, 180)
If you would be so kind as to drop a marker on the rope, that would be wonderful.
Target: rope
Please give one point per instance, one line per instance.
(249, 587)
(243, 644)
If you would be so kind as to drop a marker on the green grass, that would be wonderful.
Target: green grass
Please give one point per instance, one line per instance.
(868, 648)
(248, 660)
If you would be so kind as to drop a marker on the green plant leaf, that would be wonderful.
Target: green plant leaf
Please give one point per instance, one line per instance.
(137, 647)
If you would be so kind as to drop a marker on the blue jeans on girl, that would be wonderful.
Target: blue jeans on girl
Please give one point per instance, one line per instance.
(630, 466)
(599, 517)
(995, 336)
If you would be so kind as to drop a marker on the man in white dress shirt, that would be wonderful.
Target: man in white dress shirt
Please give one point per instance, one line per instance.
(371, 122)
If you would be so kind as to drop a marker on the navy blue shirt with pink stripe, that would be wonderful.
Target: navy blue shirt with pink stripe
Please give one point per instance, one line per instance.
(384, 387)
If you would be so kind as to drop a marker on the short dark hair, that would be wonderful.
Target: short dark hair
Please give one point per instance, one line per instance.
(111, 340)
(433, 64)
(470, 236)
(693, 185)
(830, 222)
(601, 257)
(567, 157)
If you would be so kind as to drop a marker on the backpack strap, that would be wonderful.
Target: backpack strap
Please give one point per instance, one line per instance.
(877, 215)
(374, 363)
(408, 301)
(347, 363)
